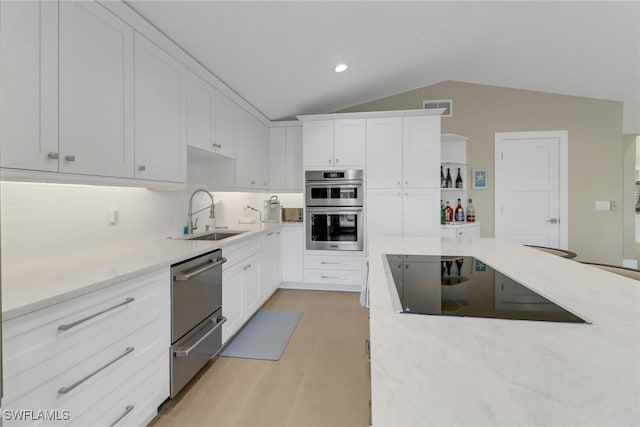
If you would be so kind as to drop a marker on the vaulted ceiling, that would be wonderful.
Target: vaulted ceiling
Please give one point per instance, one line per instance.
(279, 56)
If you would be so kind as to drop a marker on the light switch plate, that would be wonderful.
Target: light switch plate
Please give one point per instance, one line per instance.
(603, 205)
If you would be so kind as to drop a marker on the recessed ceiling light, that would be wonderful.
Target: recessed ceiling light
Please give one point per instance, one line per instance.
(341, 67)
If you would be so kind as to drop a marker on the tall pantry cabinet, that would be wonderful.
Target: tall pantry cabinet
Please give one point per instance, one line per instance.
(403, 187)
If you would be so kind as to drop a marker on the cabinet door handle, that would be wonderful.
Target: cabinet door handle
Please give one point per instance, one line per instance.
(52, 156)
(67, 389)
(128, 409)
(406, 182)
(399, 194)
(329, 277)
(68, 326)
(269, 234)
(70, 158)
(399, 182)
(329, 161)
(337, 161)
(253, 182)
(333, 263)
(553, 220)
(142, 168)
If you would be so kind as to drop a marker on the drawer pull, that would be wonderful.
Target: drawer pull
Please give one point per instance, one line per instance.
(68, 326)
(67, 389)
(333, 263)
(208, 266)
(330, 277)
(187, 352)
(128, 409)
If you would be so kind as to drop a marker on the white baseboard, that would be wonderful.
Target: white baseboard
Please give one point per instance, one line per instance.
(630, 263)
(320, 287)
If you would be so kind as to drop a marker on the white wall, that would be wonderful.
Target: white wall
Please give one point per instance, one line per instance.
(45, 221)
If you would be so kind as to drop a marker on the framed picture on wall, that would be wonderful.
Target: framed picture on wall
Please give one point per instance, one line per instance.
(479, 179)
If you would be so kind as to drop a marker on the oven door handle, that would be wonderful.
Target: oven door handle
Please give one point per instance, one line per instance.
(206, 267)
(336, 183)
(339, 210)
(187, 352)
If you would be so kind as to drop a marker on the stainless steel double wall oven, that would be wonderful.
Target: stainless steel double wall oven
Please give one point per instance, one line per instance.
(334, 210)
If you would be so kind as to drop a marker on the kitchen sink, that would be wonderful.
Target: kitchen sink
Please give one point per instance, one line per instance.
(216, 235)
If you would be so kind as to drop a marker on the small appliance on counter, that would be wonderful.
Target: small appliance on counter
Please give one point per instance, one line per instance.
(292, 214)
(272, 210)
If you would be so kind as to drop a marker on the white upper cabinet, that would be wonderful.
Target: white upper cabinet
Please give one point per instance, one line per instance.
(285, 158)
(96, 91)
(29, 85)
(252, 152)
(421, 152)
(160, 119)
(339, 142)
(317, 136)
(350, 142)
(277, 158)
(210, 124)
(384, 152)
(200, 113)
(224, 137)
(294, 158)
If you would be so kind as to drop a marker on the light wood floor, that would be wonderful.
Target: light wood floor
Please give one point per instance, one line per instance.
(321, 380)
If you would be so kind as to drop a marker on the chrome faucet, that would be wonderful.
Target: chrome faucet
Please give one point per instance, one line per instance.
(212, 214)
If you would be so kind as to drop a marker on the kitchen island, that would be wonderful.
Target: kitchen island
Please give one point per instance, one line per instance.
(429, 370)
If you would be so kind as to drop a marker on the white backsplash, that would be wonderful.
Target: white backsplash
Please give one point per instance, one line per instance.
(45, 221)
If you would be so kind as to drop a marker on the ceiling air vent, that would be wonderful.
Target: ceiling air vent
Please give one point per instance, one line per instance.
(447, 104)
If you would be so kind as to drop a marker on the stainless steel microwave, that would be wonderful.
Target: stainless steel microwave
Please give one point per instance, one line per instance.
(334, 188)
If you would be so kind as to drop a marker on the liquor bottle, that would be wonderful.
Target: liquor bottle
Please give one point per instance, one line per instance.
(442, 180)
(448, 213)
(459, 212)
(459, 180)
(448, 183)
(471, 212)
(442, 213)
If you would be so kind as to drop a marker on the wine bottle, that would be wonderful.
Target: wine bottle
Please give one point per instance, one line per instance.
(442, 179)
(448, 213)
(459, 180)
(459, 263)
(471, 212)
(459, 212)
(442, 213)
(448, 182)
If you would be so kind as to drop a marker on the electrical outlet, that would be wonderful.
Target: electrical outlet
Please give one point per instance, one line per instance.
(114, 216)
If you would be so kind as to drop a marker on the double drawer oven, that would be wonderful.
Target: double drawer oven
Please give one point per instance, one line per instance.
(334, 210)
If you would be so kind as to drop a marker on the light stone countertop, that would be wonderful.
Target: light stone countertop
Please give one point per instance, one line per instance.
(445, 371)
(30, 287)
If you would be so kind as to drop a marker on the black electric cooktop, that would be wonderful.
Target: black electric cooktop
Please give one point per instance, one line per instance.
(464, 286)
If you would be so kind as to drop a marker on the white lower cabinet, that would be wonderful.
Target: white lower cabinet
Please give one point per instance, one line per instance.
(292, 252)
(270, 264)
(92, 354)
(335, 272)
(468, 230)
(249, 277)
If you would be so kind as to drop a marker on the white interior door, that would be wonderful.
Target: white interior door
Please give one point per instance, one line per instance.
(530, 188)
